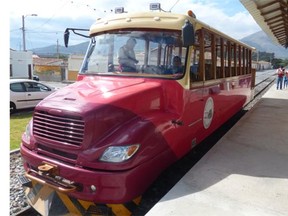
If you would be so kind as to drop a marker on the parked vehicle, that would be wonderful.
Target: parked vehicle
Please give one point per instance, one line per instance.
(26, 93)
(36, 78)
(96, 145)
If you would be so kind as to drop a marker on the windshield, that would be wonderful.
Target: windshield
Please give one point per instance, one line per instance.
(136, 53)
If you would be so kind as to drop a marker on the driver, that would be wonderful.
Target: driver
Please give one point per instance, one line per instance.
(126, 56)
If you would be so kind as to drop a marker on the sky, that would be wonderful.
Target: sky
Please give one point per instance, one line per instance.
(54, 16)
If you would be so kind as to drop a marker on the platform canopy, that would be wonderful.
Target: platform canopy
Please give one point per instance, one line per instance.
(272, 17)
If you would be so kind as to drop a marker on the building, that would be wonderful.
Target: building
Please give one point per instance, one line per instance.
(50, 69)
(74, 64)
(21, 64)
(262, 65)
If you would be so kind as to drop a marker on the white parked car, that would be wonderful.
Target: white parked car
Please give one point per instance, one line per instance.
(26, 93)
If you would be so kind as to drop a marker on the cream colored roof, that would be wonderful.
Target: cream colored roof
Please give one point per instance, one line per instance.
(271, 16)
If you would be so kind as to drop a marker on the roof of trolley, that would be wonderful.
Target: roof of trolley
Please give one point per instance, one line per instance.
(150, 20)
(140, 20)
(272, 17)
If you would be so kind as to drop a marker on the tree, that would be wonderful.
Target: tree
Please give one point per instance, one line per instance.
(277, 63)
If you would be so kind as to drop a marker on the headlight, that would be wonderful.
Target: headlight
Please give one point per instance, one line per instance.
(119, 153)
(27, 133)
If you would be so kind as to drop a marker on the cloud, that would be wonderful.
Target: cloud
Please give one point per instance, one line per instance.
(54, 16)
(236, 25)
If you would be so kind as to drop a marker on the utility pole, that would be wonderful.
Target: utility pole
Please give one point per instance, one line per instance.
(23, 29)
(57, 49)
(23, 32)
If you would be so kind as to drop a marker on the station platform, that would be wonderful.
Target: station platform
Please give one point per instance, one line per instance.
(244, 174)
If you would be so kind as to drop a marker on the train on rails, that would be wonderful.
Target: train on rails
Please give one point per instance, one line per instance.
(95, 146)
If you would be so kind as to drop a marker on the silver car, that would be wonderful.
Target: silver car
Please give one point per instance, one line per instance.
(26, 93)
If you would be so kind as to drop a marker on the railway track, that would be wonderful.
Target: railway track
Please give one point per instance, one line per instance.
(262, 86)
(174, 173)
(28, 211)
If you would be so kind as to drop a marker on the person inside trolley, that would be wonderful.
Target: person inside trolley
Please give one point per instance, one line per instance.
(126, 56)
(177, 67)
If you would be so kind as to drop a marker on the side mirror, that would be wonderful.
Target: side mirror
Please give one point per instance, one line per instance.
(66, 37)
(188, 34)
(67, 34)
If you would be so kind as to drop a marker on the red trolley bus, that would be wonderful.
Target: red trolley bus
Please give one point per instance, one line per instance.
(99, 143)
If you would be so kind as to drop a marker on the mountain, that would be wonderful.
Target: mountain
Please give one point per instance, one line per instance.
(262, 42)
(259, 40)
(52, 50)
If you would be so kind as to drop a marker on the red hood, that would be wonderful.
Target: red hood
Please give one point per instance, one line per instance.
(111, 110)
(107, 106)
(92, 86)
(81, 95)
(105, 103)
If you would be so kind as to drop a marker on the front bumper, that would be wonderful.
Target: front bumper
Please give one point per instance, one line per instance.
(96, 185)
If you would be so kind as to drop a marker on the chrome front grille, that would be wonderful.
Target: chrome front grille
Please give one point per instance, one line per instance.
(63, 129)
